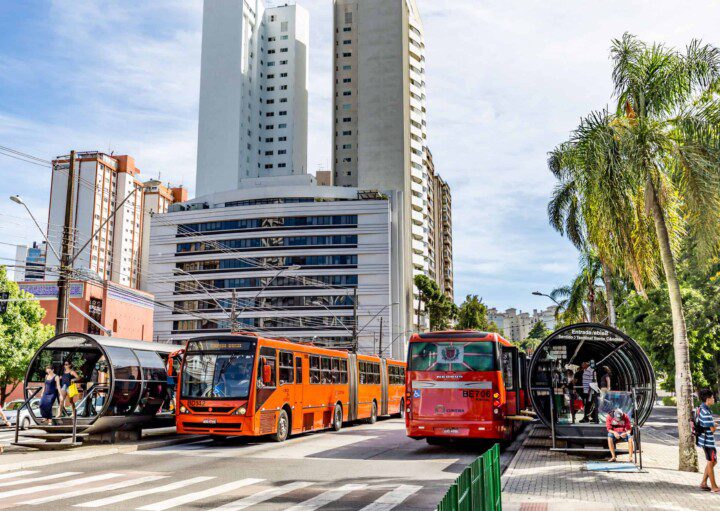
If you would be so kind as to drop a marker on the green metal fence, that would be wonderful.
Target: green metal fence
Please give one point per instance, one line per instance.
(478, 487)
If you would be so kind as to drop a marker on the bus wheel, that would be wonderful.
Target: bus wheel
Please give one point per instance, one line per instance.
(283, 427)
(402, 409)
(337, 418)
(373, 414)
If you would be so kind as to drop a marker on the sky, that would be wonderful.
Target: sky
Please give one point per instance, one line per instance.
(506, 82)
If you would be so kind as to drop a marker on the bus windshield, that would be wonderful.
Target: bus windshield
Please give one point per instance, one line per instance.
(452, 356)
(224, 373)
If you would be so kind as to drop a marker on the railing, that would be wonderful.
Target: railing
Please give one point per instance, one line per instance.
(18, 417)
(478, 486)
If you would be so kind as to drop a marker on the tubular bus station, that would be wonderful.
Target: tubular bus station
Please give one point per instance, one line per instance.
(122, 386)
(574, 413)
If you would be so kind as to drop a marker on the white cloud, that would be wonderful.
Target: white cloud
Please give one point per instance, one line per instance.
(506, 81)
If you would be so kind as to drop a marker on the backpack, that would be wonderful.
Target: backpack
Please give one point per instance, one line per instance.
(697, 428)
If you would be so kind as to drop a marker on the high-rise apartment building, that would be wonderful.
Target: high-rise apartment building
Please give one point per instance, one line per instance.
(107, 187)
(379, 110)
(253, 93)
(440, 250)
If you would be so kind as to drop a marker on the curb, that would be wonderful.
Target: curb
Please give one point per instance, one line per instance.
(505, 475)
(98, 452)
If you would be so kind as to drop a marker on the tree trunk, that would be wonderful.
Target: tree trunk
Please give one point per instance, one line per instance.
(609, 293)
(683, 376)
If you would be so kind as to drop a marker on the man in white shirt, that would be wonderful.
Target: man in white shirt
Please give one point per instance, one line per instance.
(589, 384)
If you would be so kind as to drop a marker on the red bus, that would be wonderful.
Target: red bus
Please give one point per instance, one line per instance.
(246, 385)
(462, 384)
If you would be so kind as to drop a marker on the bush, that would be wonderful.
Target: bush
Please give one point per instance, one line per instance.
(669, 401)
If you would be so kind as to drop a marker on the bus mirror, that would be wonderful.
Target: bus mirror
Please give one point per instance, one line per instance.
(267, 374)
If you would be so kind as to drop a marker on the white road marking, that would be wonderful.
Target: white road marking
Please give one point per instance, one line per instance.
(296, 448)
(57, 486)
(392, 499)
(262, 496)
(98, 489)
(327, 497)
(38, 479)
(192, 497)
(141, 493)
(10, 475)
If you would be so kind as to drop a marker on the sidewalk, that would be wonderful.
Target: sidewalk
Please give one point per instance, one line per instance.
(16, 458)
(540, 480)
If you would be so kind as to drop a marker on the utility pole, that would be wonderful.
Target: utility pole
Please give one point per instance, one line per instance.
(380, 338)
(355, 321)
(61, 321)
(233, 313)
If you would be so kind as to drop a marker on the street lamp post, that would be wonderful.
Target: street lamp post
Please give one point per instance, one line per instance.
(538, 293)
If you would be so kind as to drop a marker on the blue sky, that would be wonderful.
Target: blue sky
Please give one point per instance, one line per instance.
(506, 81)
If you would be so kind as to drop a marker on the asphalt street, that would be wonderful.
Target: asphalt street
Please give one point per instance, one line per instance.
(364, 467)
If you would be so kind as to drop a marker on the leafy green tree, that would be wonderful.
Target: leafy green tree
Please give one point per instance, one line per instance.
(21, 334)
(442, 312)
(472, 315)
(428, 291)
(536, 335)
(666, 168)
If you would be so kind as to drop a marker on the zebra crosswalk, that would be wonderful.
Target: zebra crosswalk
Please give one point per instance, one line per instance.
(142, 491)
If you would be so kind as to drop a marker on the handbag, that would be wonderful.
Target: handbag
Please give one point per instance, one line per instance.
(72, 390)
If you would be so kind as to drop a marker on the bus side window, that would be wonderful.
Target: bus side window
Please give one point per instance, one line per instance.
(343, 371)
(314, 369)
(325, 373)
(286, 367)
(362, 373)
(335, 375)
(298, 369)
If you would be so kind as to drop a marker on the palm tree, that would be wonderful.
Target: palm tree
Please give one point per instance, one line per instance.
(665, 169)
(671, 146)
(590, 203)
(585, 299)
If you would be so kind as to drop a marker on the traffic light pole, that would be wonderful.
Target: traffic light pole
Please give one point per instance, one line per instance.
(61, 320)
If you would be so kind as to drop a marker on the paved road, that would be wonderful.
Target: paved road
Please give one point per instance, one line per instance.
(366, 467)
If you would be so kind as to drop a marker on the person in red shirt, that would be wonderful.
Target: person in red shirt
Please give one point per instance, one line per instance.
(619, 430)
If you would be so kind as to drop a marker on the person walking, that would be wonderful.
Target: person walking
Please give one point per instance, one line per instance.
(69, 376)
(50, 393)
(705, 433)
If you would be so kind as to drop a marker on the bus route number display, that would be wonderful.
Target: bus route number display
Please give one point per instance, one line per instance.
(219, 345)
(477, 395)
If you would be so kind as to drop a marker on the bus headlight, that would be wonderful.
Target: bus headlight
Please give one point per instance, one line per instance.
(183, 409)
(241, 411)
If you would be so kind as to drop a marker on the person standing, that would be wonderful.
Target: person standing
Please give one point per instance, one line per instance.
(605, 383)
(50, 393)
(705, 432)
(589, 383)
(69, 376)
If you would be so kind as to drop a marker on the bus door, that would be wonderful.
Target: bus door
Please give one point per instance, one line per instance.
(352, 387)
(383, 387)
(299, 392)
(510, 373)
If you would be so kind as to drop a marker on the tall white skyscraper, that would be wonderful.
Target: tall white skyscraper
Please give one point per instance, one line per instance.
(253, 93)
(379, 109)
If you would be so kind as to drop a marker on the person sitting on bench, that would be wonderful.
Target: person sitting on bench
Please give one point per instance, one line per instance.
(619, 430)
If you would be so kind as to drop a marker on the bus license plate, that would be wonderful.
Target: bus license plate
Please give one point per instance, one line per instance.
(451, 431)
(209, 421)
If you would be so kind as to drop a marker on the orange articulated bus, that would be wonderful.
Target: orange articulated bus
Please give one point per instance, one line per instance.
(463, 384)
(247, 385)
